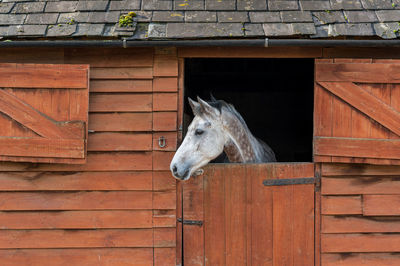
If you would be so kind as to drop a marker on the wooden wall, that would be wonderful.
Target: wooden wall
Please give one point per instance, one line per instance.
(360, 222)
(119, 207)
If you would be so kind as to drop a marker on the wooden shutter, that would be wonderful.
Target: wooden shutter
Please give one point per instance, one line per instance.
(43, 113)
(357, 104)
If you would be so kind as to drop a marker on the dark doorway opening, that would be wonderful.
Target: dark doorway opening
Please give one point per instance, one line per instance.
(274, 96)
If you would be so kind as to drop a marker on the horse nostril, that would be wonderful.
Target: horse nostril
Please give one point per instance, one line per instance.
(174, 169)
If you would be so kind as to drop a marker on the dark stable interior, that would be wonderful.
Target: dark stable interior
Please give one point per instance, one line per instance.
(274, 96)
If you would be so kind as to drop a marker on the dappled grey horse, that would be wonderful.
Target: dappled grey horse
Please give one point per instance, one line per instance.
(217, 127)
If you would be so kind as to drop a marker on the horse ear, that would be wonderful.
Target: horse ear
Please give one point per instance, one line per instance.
(208, 109)
(195, 106)
(212, 98)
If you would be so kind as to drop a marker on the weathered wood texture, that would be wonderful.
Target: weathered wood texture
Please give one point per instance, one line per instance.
(43, 112)
(124, 191)
(360, 214)
(356, 108)
(245, 222)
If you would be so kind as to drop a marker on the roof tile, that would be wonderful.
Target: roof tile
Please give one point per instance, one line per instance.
(328, 17)
(253, 30)
(27, 30)
(74, 16)
(11, 19)
(104, 17)
(354, 29)
(278, 29)
(296, 16)
(124, 5)
(200, 16)
(361, 16)
(168, 16)
(220, 5)
(346, 4)
(30, 7)
(89, 29)
(41, 18)
(265, 17)
(189, 4)
(157, 4)
(315, 5)
(283, 5)
(236, 16)
(388, 15)
(84, 5)
(61, 30)
(251, 5)
(201, 30)
(387, 30)
(377, 4)
(61, 6)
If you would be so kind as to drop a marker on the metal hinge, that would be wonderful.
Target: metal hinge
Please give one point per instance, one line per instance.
(289, 181)
(190, 222)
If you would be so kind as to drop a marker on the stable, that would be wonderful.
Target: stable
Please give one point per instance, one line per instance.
(93, 105)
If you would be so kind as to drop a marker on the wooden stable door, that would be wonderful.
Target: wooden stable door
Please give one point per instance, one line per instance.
(249, 214)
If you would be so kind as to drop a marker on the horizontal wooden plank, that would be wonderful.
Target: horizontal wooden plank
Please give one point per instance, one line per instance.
(108, 161)
(29, 117)
(116, 200)
(366, 103)
(164, 256)
(246, 52)
(76, 219)
(86, 256)
(165, 84)
(42, 55)
(164, 121)
(358, 72)
(43, 76)
(162, 160)
(110, 57)
(120, 86)
(359, 169)
(42, 147)
(164, 218)
(165, 65)
(359, 224)
(163, 180)
(382, 205)
(331, 243)
(117, 102)
(164, 237)
(121, 73)
(119, 141)
(63, 181)
(339, 205)
(164, 200)
(352, 147)
(171, 139)
(165, 101)
(360, 185)
(76, 238)
(120, 122)
(365, 259)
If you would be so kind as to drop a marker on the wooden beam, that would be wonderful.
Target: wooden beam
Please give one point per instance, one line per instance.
(366, 103)
(352, 147)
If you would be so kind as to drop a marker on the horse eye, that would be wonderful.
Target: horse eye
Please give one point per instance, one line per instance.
(198, 132)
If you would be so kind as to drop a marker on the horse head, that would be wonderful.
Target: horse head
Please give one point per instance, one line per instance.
(204, 141)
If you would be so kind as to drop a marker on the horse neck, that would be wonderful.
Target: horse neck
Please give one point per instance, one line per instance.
(242, 145)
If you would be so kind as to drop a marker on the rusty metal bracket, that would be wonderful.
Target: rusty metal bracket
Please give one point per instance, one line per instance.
(190, 222)
(289, 181)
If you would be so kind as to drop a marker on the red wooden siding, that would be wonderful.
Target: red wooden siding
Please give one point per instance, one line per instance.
(356, 108)
(44, 112)
(360, 215)
(124, 190)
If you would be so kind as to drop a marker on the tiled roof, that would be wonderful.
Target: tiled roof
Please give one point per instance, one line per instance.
(195, 19)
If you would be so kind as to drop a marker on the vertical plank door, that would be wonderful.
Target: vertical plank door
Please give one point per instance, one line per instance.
(245, 222)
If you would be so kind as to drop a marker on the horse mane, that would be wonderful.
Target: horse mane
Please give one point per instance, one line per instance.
(219, 104)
